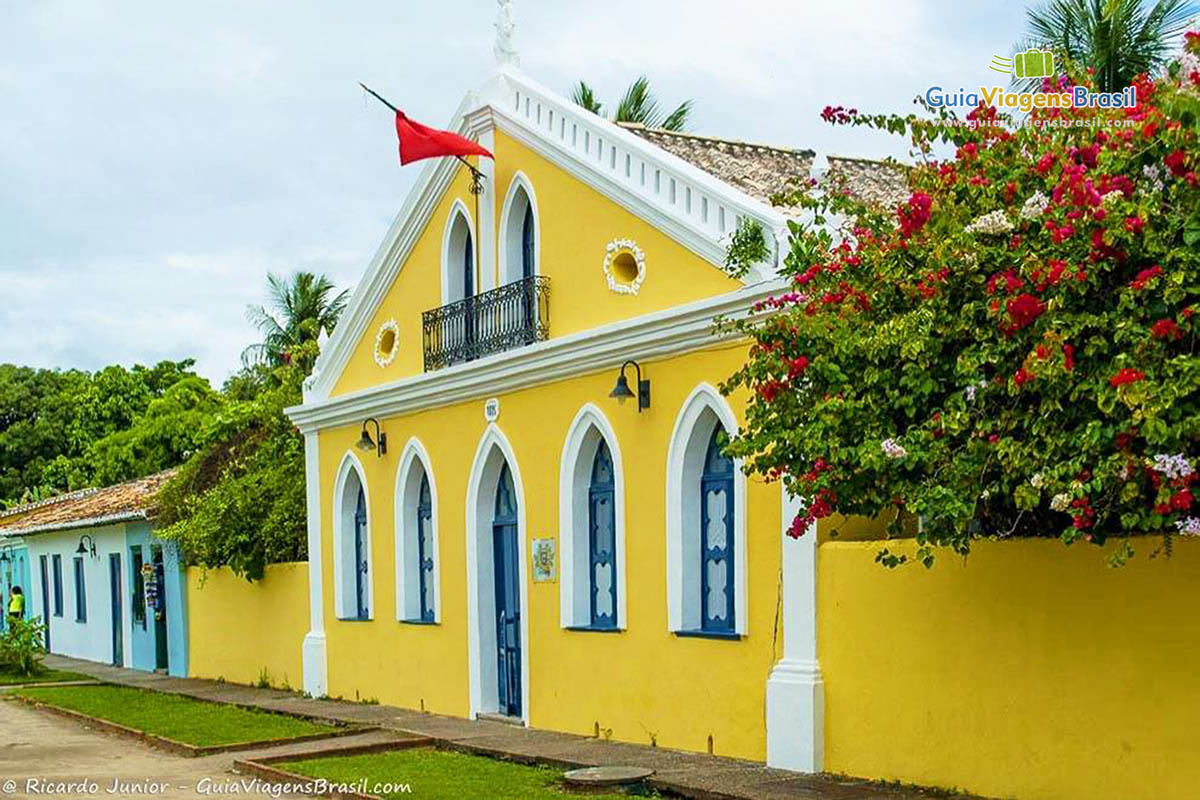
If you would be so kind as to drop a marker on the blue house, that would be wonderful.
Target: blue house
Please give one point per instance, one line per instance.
(92, 569)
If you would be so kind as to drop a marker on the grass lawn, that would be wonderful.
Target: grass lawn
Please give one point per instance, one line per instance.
(441, 774)
(183, 719)
(42, 676)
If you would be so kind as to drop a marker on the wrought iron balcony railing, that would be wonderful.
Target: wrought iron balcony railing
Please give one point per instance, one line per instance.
(508, 316)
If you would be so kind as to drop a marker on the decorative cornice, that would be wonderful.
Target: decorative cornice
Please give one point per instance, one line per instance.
(664, 333)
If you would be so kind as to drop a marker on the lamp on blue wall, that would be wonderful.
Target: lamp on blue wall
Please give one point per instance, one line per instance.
(86, 549)
(622, 391)
(366, 443)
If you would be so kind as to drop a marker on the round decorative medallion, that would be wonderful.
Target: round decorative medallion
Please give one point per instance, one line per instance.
(387, 343)
(624, 266)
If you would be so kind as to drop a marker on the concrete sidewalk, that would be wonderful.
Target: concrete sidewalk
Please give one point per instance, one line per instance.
(688, 774)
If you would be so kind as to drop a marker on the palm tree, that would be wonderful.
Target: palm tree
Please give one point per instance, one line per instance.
(637, 105)
(303, 308)
(1117, 39)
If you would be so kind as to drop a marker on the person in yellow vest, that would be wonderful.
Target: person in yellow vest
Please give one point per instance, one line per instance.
(16, 604)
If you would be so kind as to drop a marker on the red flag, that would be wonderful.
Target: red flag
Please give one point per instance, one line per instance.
(418, 141)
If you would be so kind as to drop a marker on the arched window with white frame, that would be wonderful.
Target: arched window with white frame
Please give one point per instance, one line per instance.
(416, 538)
(519, 232)
(592, 526)
(706, 522)
(352, 543)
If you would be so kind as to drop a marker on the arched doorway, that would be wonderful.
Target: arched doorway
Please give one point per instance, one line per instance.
(498, 632)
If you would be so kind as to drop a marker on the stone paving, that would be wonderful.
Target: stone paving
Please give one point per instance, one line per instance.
(690, 775)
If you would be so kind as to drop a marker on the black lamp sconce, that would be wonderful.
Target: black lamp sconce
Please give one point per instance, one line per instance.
(622, 392)
(86, 549)
(366, 443)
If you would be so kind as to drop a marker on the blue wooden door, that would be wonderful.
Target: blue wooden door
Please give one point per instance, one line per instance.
(602, 545)
(508, 597)
(716, 539)
(114, 583)
(360, 556)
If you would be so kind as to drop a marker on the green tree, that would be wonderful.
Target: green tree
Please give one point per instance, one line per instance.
(239, 501)
(37, 410)
(638, 104)
(1116, 39)
(301, 307)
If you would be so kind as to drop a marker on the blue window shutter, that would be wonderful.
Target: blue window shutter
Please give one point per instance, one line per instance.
(527, 233)
(360, 556)
(602, 542)
(80, 592)
(716, 539)
(425, 549)
(58, 585)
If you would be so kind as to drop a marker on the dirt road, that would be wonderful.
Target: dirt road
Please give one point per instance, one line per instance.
(42, 755)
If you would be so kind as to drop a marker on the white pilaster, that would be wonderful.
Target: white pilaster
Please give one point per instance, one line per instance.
(486, 224)
(315, 661)
(795, 692)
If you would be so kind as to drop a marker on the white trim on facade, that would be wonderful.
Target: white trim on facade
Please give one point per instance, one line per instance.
(662, 333)
(703, 409)
(492, 452)
(795, 690)
(315, 658)
(414, 463)
(452, 283)
(486, 224)
(344, 599)
(509, 247)
(574, 472)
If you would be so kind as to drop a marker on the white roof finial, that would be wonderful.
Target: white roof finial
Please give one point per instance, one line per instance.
(506, 30)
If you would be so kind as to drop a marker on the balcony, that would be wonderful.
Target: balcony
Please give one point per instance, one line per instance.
(504, 318)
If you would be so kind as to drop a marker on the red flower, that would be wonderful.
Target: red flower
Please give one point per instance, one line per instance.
(1175, 163)
(1134, 224)
(1181, 500)
(1068, 357)
(1144, 277)
(1022, 377)
(797, 366)
(1024, 309)
(1125, 376)
(1166, 328)
(914, 214)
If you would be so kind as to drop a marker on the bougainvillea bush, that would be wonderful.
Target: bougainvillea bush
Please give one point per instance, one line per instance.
(1012, 351)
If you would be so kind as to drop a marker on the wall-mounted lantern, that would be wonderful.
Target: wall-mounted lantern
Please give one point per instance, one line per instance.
(86, 549)
(622, 391)
(366, 443)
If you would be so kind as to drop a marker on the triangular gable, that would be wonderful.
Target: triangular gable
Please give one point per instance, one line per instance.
(684, 202)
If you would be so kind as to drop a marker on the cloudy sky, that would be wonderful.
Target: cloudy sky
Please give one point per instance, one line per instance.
(158, 159)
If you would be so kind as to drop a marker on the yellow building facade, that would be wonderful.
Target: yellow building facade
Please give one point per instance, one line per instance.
(491, 532)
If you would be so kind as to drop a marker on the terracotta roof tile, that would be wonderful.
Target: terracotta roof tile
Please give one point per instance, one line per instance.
(758, 170)
(881, 182)
(87, 507)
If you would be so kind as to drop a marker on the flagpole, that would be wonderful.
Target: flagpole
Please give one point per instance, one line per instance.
(476, 175)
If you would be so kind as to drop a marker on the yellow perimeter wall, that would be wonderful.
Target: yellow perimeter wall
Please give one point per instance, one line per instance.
(236, 628)
(1031, 671)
